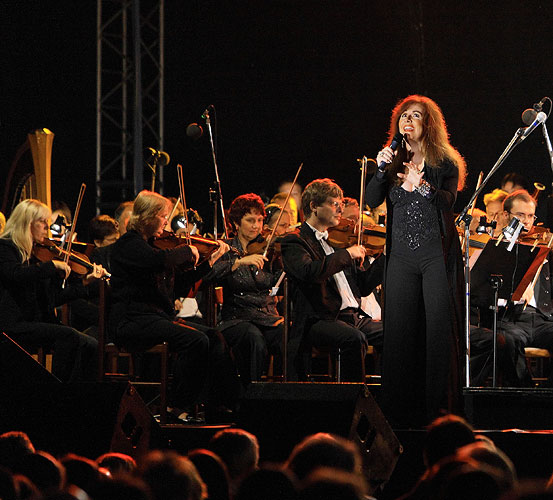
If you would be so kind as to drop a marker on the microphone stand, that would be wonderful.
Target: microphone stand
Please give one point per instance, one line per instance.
(550, 152)
(216, 194)
(466, 217)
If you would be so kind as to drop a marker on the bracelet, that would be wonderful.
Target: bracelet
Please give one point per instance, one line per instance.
(424, 188)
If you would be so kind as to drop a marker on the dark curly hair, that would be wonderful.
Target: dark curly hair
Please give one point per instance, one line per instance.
(244, 204)
(102, 226)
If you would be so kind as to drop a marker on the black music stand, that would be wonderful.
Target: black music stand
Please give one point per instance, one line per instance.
(499, 273)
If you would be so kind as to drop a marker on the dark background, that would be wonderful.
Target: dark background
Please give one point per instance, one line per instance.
(292, 81)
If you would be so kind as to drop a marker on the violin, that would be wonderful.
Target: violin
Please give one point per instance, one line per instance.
(345, 235)
(80, 264)
(538, 236)
(261, 245)
(206, 247)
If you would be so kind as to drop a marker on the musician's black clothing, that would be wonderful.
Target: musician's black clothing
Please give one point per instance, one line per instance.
(251, 324)
(29, 293)
(317, 317)
(422, 296)
(531, 326)
(144, 281)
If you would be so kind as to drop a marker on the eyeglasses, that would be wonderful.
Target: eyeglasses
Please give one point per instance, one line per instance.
(522, 216)
(336, 204)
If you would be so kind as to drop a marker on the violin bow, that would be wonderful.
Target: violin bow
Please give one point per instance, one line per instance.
(480, 178)
(529, 292)
(273, 231)
(73, 226)
(183, 198)
(361, 198)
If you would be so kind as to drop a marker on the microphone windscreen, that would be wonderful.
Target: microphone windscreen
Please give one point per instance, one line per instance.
(528, 116)
(163, 159)
(194, 131)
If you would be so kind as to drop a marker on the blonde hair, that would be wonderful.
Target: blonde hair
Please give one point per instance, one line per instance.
(495, 195)
(146, 206)
(435, 144)
(18, 226)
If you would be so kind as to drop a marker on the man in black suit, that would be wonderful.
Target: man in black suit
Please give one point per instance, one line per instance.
(328, 283)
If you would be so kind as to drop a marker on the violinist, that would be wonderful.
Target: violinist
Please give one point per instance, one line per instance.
(351, 209)
(30, 290)
(273, 211)
(328, 284)
(284, 187)
(531, 324)
(102, 232)
(494, 209)
(250, 323)
(145, 280)
(122, 215)
(291, 207)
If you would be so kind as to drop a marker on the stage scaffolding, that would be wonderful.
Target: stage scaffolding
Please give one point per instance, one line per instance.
(129, 97)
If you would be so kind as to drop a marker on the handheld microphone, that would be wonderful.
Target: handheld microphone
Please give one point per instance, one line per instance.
(396, 141)
(194, 131)
(538, 120)
(161, 156)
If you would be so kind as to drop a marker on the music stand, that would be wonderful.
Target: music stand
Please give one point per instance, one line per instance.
(499, 273)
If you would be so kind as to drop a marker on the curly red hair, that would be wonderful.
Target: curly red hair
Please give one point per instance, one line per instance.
(435, 144)
(243, 204)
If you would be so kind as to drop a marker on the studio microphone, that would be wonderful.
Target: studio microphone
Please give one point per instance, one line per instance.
(539, 105)
(194, 131)
(396, 141)
(161, 156)
(538, 120)
(511, 232)
(205, 114)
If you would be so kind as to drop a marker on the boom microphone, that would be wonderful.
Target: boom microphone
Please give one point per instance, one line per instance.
(161, 156)
(529, 115)
(194, 131)
(538, 120)
(396, 141)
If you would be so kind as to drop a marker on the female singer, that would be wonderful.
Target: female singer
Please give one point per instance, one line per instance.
(144, 281)
(251, 324)
(30, 290)
(423, 282)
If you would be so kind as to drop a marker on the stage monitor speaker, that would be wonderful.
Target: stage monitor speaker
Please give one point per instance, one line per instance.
(282, 414)
(87, 418)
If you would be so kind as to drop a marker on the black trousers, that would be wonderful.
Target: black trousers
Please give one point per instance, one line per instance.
(74, 353)
(526, 328)
(202, 370)
(251, 345)
(419, 357)
(351, 333)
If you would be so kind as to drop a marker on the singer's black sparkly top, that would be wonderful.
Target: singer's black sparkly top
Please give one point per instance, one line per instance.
(415, 221)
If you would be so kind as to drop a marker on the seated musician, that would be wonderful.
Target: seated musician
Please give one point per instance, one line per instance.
(328, 283)
(272, 211)
(530, 326)
(494, 209)
(251, 324)
(30, 290)
(122, 215)
(144, 281)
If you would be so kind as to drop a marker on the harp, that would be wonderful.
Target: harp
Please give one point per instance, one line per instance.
(29, 175)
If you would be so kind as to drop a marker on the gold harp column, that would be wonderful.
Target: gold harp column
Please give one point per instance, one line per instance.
(41, 141)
